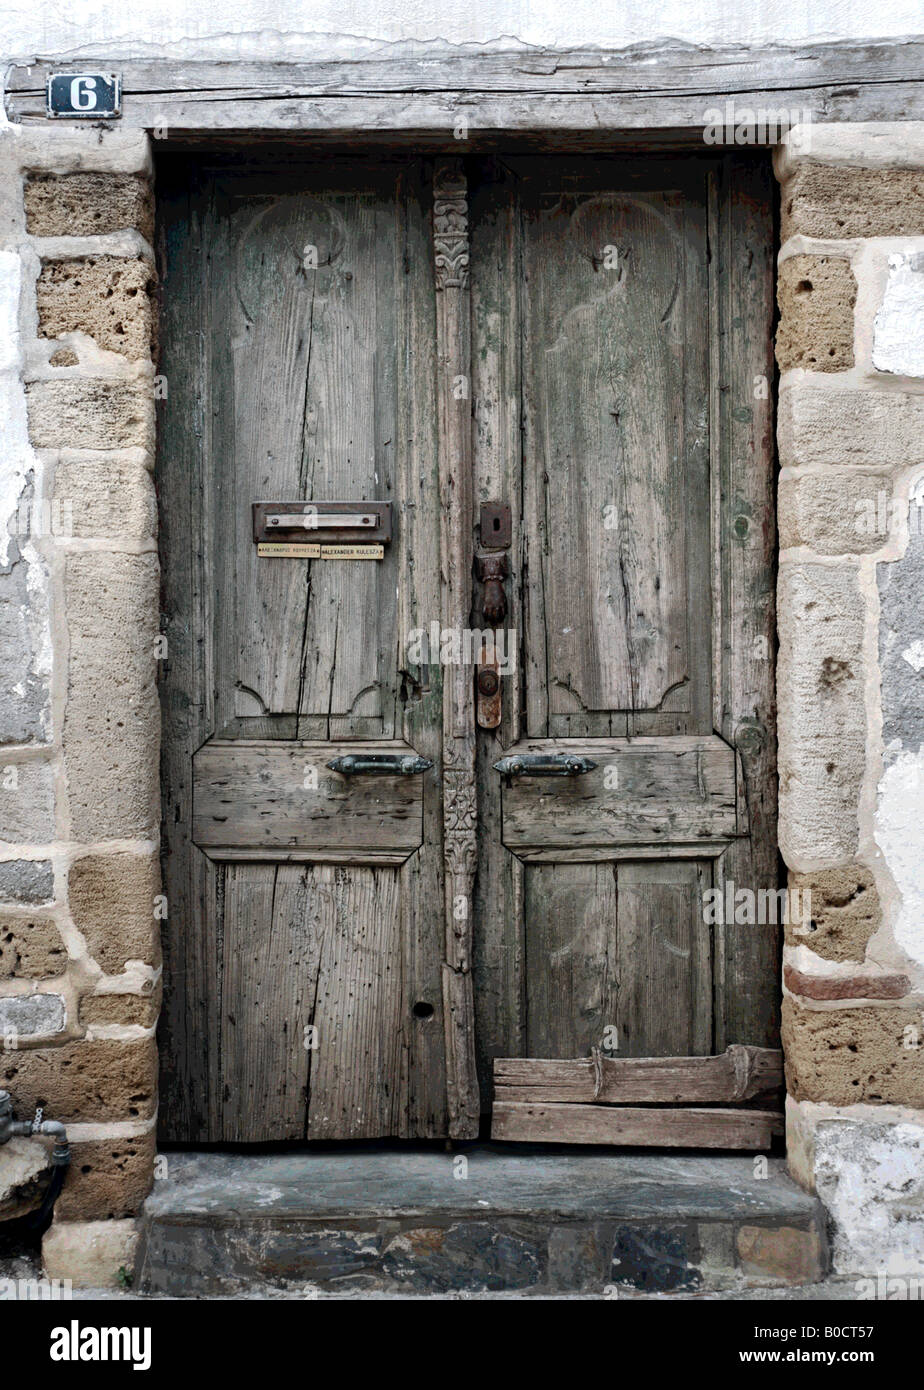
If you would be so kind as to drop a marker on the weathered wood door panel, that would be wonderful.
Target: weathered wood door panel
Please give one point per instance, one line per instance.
(304, 955)
(621, 349)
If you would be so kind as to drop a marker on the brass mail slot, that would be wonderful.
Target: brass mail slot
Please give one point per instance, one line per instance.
(322, 521)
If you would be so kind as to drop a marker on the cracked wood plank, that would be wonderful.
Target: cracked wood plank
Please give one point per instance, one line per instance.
(739, 1074)
(660, 1127)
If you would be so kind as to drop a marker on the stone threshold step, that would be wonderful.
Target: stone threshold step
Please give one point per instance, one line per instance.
(486, 1219)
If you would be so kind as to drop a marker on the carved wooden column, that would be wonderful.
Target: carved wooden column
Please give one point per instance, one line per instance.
(451, 253)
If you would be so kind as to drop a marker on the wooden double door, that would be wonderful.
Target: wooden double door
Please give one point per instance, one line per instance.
(557, 373)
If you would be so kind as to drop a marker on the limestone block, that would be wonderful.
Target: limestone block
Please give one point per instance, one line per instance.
(86, 413)
(871, 1178)
(106, 496)
(24, 676)
(836, 513)
(89, 1253)
(822, 720)
(821, 423)
(24, 1172)
(111, 721)
(898, 333)
(31, 1015)
(27, 802)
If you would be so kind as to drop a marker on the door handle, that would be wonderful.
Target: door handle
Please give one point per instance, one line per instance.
(379, 764)
(492, 571)
(544, 765)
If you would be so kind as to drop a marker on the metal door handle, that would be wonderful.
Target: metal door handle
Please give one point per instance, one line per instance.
(544, 765)
(379, 764)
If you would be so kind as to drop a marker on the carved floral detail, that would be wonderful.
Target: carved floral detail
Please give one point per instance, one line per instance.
(450, 228)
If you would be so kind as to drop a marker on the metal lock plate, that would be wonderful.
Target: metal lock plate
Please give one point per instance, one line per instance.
(495, 527)
(332, 522)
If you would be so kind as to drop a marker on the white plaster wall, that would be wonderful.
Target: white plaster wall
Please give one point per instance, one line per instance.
(292, 28)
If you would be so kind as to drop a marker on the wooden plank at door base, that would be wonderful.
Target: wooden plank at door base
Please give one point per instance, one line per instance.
(738, 1074)
(631, 1127)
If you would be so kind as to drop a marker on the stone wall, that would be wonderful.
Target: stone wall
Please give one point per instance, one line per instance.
(850, 348)
(79, 725)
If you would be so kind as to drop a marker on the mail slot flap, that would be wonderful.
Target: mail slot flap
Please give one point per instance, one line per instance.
(322, 521)
(279, 800)
(642, 791)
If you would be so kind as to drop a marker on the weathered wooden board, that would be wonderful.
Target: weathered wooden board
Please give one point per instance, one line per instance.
(596, 94)
(278, 800)
(616, 956)
(660, 1127)
(738, 1074)
(605, 319)
(744, 551)
(301, 353)
(311, 1026)
(678, 791)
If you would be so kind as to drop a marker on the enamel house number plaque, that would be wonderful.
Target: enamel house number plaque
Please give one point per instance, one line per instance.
(87, 94)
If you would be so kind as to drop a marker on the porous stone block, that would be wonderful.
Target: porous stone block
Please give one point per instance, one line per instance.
(31, 948)
(111, 721)
(109, 298)
(88, 204)
(108, 1179)
(138, 1009)
(84, 1081)
(111, 898)
(850, 1056)
(816, 295)
(845, 911)
(839, 201)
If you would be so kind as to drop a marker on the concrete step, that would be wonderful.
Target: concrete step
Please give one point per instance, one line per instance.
(482, 1219)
